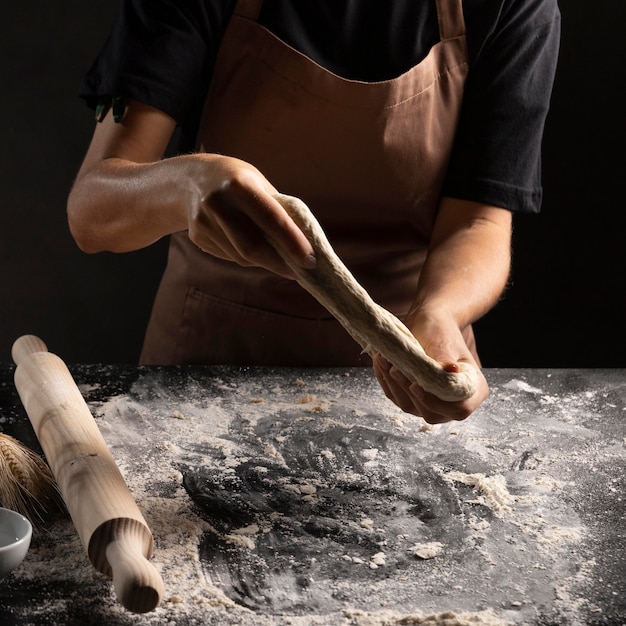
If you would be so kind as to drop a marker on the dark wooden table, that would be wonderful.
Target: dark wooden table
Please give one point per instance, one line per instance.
(304, 497)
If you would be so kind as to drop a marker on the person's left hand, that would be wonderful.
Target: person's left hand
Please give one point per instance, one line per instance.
(446, 346)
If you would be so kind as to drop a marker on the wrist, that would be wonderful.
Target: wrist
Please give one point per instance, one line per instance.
(424, 314)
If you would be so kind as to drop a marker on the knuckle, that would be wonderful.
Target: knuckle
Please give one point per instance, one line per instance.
(234, 184)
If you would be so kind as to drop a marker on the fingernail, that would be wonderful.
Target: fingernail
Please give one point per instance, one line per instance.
(310, 261)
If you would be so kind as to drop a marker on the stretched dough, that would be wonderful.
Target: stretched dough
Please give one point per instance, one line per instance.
(373, 327)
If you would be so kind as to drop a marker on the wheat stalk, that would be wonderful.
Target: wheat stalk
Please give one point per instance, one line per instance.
(26, 482)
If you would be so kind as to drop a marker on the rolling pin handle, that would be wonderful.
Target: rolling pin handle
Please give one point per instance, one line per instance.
(26, 345)
(137, 583)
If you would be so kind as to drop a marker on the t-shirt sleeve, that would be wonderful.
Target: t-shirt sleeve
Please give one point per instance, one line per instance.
(496, 158)
(150, 39)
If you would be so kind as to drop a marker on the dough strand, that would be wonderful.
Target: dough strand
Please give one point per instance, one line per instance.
(373, 327)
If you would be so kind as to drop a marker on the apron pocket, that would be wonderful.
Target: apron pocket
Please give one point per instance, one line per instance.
(220, 332)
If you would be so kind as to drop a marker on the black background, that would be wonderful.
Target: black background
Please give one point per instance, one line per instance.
(565, 306)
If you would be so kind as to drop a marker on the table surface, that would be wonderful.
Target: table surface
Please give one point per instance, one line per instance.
(302, 497)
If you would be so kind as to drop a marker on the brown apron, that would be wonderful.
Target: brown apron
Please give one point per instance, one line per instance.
(367, 158)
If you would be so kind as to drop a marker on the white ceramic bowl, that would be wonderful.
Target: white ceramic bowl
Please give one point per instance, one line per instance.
(15, 535)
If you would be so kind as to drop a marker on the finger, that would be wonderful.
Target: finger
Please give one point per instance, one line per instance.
(281, 228)
(438, 411)
(427, 405)
(398, 393)
(269, 216)
(242, 241)
(392, 386)
(381, 370)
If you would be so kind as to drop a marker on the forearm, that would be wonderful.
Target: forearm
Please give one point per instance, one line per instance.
(467, 267)
(119, 205)
(226, 206)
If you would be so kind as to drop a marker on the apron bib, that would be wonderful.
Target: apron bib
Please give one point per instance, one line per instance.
(367, 158)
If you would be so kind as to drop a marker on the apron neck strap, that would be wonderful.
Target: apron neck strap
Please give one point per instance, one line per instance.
(451, 20)
(249, 9)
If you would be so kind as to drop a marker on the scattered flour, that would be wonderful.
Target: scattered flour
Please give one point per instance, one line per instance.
(426, 550)
(150, 435)
(447, 618)
(493, 490)
(520, 385)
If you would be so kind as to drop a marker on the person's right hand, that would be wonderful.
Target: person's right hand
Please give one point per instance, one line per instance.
(443, 341)
(233, 214)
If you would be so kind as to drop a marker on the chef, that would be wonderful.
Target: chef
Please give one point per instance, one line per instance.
(411, 129)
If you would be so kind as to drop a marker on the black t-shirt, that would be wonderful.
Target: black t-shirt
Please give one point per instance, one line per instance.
(161, 52)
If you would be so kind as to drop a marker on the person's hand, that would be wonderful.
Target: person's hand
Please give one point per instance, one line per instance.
(444, 342)
(233, 214)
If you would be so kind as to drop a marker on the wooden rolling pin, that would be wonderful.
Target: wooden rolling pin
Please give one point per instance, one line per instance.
(109, 523)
